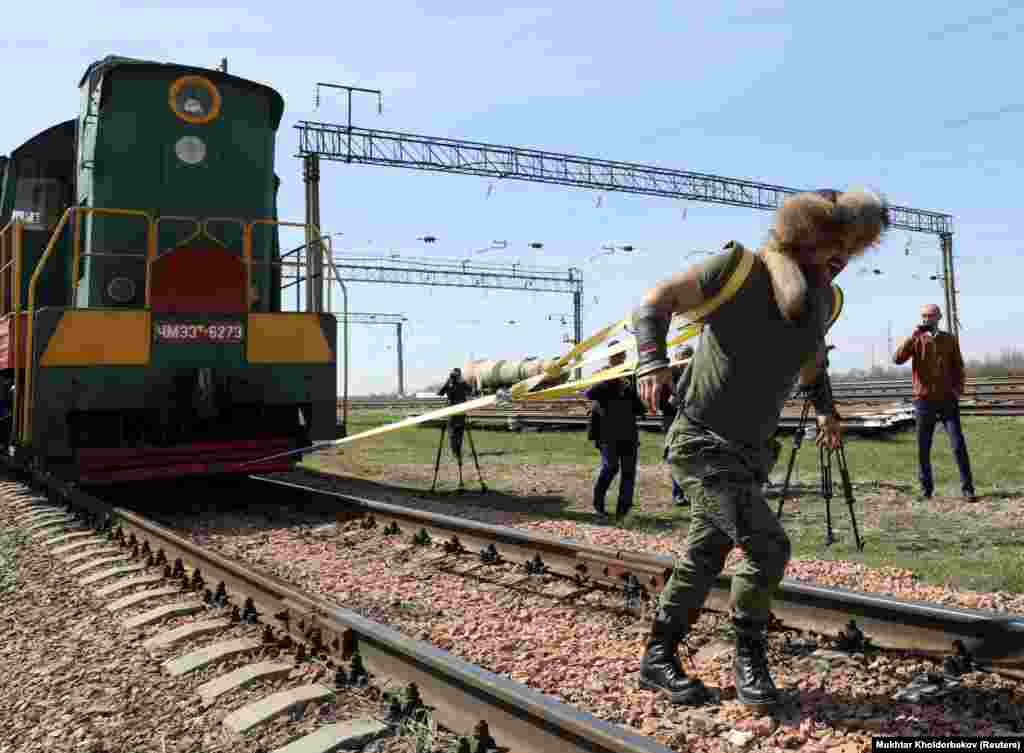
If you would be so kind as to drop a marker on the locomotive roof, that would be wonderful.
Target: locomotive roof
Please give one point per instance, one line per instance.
(55, 144)
(114, 61)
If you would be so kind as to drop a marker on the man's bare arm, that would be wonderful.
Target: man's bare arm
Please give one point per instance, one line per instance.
(681, 292)
(678, 294)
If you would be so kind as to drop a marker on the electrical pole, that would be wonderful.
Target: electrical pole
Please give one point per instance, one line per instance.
(314, 248)
(949, 282)
(395, 319)
(401, 368)
(577, 314)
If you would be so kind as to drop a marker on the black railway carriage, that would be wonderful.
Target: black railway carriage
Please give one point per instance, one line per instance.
(142, 334)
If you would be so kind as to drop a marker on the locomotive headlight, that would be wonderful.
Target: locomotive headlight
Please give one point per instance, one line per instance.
(194, 99)
(121, 289)
(190, 149)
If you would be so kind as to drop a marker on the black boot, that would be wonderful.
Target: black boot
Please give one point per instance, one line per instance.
(660, 668)
(754, 686)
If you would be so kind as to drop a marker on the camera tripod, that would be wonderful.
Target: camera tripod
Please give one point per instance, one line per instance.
(476, 462)
(825, 465)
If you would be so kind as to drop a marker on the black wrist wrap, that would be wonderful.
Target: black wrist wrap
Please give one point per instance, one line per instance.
(651, 324)
(821, 397)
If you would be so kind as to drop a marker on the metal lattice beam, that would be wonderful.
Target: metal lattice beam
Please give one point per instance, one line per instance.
(397, 149)
(455, 274)
(358, 317)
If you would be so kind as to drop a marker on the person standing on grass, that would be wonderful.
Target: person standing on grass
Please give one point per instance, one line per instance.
(938, 369)
(756, 345)
(617, 404)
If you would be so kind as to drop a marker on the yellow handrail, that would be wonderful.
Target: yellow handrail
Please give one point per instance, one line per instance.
(27, 407)
(214, 238)
(3, 266)
(16, 239)
(23, 417)
(76, 243)
(178, 218)
(247, 247)
(16, 236)
(154, 244)
(10, 238)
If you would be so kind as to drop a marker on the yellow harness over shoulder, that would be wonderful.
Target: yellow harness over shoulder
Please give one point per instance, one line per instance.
(690, 324)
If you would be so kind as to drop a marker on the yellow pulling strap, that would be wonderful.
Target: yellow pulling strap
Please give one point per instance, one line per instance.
(524, 390)
(736, 279)
(837, 306)
(451, 410)
(691, 325)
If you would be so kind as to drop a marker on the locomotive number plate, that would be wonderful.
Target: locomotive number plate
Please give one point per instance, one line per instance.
(216, 332)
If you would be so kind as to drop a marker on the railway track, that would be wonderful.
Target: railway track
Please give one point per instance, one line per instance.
(860, 417)
(478, 704)
(861, 422)
(459, 694)
(934, 631)
(994, 396)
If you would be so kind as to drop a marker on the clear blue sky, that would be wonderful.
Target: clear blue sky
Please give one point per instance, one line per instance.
(917, 100)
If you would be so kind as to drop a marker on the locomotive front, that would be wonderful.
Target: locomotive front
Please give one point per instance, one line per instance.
(150, 297)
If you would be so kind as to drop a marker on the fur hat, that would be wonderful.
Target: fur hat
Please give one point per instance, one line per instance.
(850, 220)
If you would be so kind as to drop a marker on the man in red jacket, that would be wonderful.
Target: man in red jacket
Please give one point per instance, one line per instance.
(938, 384)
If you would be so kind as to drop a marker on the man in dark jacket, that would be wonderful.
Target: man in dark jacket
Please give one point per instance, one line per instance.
(938, 369)
(457, 390)
(618, 405)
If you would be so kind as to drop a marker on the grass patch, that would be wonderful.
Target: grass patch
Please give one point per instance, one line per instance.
(10, 542)
(548, 475)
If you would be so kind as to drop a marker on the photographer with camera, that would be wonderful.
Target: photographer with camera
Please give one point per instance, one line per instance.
(761, 336)
(938, 370)
(617, 405)
(458, 391)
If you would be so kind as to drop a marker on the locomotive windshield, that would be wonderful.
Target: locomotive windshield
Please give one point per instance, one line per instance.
(38, 201)
(42, 171)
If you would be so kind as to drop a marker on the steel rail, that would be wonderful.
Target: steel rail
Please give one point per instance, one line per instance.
(917, 628)
(580, 408)
(458, 693)
(978, 393)
(1010, 383)
(514, 421)
(849, 420)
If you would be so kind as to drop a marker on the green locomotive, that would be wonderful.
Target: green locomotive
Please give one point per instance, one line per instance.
(142, 333)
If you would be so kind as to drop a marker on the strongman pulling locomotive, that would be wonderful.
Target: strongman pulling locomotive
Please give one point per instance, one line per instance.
(756, 346)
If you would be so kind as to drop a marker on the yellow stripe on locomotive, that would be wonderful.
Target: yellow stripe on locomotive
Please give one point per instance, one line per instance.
(140, 260)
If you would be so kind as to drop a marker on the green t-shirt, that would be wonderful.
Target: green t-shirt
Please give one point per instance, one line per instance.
(750, 357)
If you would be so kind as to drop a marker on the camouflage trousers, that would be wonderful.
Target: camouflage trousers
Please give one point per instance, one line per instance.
(723, 482)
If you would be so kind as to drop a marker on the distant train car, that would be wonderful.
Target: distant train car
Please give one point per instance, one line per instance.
(142, 334)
